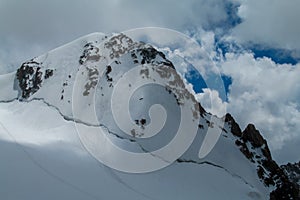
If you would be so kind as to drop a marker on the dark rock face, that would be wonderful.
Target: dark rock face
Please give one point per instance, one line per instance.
(245, 150)
(253, 136)
(255, 148)
(119, 45)
(286, 190)
(292, 171)
(201, 110)
(235, 129)
(147, 55)
(30, 77)
(49, 73)
(90, 52)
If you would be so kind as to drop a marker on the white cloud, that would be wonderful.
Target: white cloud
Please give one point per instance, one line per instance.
(268, 95)
(211, 102)
(274, 23)
(48, 24)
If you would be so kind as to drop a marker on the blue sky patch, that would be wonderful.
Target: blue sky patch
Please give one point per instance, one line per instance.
(279, 56)
(195, 78)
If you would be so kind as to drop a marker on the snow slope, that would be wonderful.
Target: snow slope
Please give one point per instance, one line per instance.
(49, 162)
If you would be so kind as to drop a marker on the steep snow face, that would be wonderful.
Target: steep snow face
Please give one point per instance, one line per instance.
(7, 90)
(50, 156)
(51, 76)
(57, 102)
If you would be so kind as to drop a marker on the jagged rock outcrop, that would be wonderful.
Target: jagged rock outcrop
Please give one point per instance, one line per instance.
(235, 129)
(30, 77)
(255, 148)
(292, 170)
(253, 136)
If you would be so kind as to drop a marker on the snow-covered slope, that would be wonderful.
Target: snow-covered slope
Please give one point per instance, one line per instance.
(52, 97)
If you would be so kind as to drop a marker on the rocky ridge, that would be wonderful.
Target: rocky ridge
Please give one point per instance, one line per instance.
(255, 148)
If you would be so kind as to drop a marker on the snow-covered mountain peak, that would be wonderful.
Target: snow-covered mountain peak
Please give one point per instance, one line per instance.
(95, 81)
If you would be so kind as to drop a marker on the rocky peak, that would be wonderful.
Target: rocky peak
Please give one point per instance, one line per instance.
(235, 128)
(252, 135)
(255, 148)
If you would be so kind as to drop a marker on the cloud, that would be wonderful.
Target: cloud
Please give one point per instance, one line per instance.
(30, 28)
(211, 102)
(266, 94)
(273, 23)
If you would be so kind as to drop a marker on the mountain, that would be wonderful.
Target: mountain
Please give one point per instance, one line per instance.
(54, 105)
